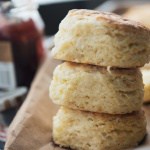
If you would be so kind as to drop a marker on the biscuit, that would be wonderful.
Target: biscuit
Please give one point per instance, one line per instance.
(140, 13)
(96, 89)
(104, 39)
(146, 80)
(93, 131)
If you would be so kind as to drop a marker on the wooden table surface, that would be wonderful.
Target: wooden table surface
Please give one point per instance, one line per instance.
(32, 126)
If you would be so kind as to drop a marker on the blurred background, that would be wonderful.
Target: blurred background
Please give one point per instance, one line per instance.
(27, 28)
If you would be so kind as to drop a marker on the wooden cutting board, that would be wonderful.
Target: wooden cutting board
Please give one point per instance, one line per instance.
(32, 127)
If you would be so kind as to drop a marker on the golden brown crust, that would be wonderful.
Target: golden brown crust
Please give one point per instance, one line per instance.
(114, 91)
(87, 131)
(110, 18)
(87, 36)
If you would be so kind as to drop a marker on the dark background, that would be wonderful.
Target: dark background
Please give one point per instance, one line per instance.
(52, 14)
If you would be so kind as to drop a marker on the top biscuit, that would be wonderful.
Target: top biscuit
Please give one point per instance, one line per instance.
(103, 39)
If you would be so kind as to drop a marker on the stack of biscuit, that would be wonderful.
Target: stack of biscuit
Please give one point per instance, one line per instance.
(99, 87)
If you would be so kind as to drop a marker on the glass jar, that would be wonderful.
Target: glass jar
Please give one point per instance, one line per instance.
(21, 46)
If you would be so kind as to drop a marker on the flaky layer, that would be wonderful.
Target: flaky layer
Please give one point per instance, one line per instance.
(103, 39)
(96, 89)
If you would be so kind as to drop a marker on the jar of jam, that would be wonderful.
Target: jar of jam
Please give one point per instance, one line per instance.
(21, 47)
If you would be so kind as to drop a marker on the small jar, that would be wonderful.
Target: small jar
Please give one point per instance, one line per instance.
(21, 43)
